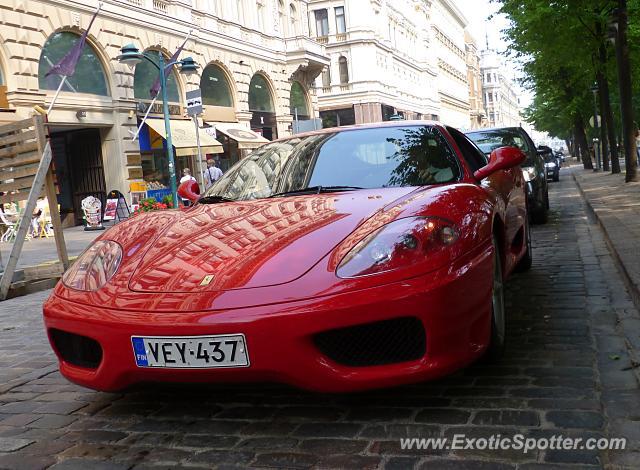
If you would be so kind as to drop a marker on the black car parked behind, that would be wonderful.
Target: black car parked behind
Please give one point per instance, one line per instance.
(533, 168)
(551, 162)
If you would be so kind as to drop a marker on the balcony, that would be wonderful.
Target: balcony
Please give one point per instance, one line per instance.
(335, 89)
(305, 55)
(161, 6)
(332, 38)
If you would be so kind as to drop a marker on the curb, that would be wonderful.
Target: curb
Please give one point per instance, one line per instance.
(632, 288)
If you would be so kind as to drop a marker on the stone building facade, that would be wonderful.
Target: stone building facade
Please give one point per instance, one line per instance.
(391, 58)
(502, 106)
(255, 59)
(477, 117)
(448, 25)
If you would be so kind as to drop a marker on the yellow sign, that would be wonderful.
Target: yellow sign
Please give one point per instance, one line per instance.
(137, 186)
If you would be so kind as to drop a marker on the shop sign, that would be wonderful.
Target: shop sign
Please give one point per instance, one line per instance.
(137, 186)
(174, 109)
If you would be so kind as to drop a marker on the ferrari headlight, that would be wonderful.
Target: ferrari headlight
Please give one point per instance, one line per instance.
(399, 244)
(94, 267)
(529, 173)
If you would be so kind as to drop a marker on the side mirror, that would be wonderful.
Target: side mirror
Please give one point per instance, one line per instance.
(189, 190)
(501, 159)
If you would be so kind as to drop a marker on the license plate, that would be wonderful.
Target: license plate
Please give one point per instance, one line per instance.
(197, 352)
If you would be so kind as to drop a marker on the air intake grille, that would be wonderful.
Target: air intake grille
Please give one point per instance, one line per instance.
(75, 349)
(374, 344)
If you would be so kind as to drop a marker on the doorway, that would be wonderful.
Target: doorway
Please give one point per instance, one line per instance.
(79, 171)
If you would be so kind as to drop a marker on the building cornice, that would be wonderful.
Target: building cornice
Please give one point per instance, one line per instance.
(455, 12)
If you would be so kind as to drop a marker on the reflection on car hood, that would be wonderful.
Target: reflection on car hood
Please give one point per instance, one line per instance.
(254, 243)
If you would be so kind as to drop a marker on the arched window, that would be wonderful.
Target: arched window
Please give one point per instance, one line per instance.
(260, 95)
(344, 70)
(326, 77)
(89, 76)
(146, 75)
(293, 20)
(215, 87)
(298, 101)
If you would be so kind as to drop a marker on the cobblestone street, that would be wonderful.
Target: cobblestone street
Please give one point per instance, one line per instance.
(567, 370)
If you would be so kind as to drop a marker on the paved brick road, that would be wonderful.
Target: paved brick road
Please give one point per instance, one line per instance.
(566, 372)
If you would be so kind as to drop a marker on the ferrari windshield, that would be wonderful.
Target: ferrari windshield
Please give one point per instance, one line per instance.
(348, 159)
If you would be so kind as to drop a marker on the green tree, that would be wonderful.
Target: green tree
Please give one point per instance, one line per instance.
(563, 47)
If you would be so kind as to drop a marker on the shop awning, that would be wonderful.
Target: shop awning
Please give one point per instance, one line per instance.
(246, 138)
(183, 137)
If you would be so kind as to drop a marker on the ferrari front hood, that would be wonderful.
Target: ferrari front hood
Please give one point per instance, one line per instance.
(258, 243)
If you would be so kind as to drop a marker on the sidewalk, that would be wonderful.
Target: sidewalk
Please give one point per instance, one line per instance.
(43, 250)
(616, 205)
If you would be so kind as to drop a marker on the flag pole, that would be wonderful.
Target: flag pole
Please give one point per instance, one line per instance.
(144, 119)
(71, 87)
(55, 97)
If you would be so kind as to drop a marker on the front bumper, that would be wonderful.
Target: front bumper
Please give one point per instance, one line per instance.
(453, 304)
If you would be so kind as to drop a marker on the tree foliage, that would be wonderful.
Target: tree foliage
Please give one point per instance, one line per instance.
(557, 43)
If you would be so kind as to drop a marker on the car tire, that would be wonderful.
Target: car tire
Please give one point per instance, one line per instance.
(556, 176)
(546, 198)
(527, 259)
(498, 324)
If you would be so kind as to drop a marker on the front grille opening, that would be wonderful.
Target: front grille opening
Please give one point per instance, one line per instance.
(76, 349)
(373, 344)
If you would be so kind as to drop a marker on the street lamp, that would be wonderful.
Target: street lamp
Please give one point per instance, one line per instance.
(596, 146)
(131, 56)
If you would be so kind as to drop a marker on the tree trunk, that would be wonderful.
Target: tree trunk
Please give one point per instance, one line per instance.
(603, 125)
(624, 79)
(608, 126)
(607, 112)
(581, 141)
(569, 145)
(576, 147)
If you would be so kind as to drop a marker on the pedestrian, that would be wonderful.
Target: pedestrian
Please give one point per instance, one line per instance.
(186, 176)
(212, 173)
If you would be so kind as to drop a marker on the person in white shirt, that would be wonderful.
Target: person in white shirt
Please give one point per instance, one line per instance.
(186, 176)
(212, 173)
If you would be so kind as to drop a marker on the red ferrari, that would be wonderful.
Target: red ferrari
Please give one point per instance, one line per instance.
(336, 260)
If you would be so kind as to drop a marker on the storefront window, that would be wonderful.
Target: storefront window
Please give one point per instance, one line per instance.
(89, 76)
(260, 95)
(338, 117)
(215, 87)
(298, 101)
(146, 75)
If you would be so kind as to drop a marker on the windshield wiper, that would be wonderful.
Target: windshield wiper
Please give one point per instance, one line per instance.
(316, 190)
(214, 199)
